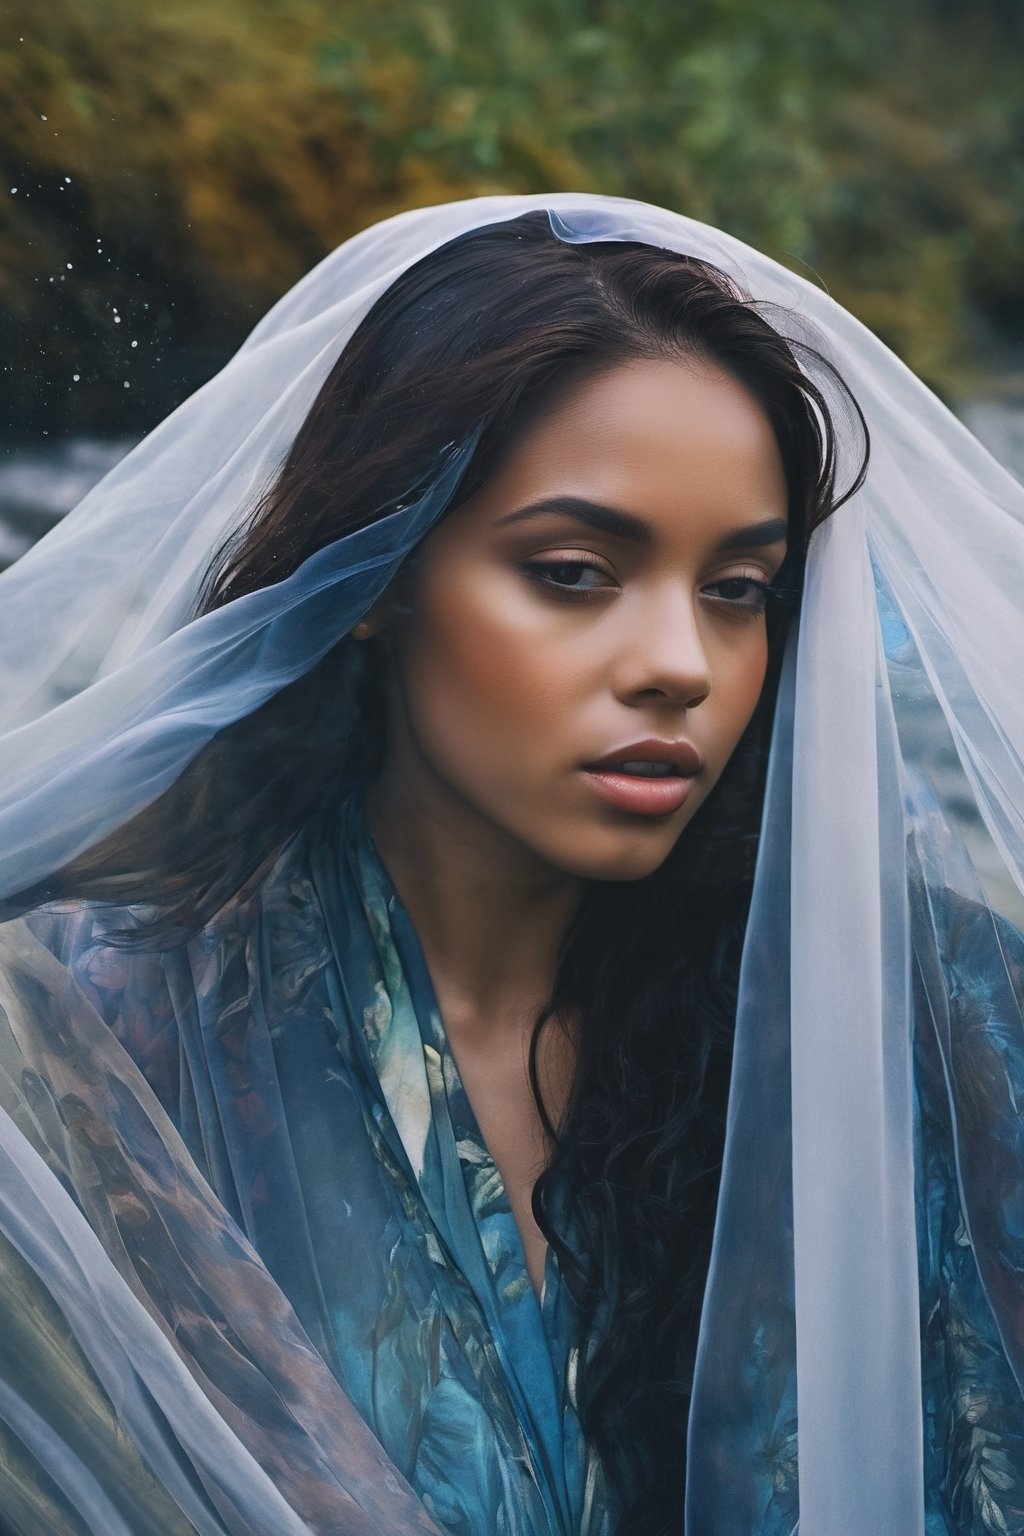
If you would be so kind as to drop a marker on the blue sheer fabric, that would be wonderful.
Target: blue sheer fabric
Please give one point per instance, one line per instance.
(256, 1272)
(297, 1048)
(968, 1091)
(130, 734)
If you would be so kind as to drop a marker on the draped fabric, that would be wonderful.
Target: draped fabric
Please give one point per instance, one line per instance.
(963, 1447)
(257, 1271)
(297, 1050)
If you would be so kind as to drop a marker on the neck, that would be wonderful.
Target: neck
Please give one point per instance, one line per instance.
(489, 914)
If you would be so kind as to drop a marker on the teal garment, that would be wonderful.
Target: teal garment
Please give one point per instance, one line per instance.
(968, 1110)
(299, 1049)
(969, 1122)
(296, 1045)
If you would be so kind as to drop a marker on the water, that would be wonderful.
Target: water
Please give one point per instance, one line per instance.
(999, 424)
(39, 485)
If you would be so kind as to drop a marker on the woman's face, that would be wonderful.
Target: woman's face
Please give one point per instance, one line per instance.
(583, 642)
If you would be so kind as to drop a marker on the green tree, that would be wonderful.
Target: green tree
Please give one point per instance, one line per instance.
(177, 167)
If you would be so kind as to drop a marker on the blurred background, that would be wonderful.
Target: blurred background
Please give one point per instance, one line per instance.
(169, 167)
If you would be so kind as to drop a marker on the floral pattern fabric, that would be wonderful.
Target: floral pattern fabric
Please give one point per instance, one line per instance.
(298, 1047)
(297, 1050)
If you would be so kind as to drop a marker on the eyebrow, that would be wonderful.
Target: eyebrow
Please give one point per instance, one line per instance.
(623, 525)
(772, 531)
(593, 513)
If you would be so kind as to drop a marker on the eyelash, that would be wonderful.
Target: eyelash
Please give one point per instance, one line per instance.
(762, 591)
(540, 572)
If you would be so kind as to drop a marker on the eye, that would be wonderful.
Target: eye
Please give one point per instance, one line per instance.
(746, 595)
(576, 578)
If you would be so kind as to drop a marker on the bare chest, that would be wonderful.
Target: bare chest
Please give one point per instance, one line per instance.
(495, 1075)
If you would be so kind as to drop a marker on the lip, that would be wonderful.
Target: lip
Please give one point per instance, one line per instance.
(645, 797)
(681, 755)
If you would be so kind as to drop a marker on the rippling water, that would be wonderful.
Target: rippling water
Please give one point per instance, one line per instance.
(38, 485)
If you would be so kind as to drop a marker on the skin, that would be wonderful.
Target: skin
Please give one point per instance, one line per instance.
(503, 682)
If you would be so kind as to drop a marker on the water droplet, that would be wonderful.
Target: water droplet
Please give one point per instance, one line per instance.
(126, 384)
(134, 343)
(69, 266)
(117, 319)
(67, 181)
(43, 117)
(13, 190)
(75, 377)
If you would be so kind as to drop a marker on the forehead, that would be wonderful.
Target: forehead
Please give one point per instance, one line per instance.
(670, 442)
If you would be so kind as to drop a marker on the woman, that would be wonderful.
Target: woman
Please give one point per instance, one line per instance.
(461, 812)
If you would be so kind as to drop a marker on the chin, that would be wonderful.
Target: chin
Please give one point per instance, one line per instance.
(627, 856)
(629, 870)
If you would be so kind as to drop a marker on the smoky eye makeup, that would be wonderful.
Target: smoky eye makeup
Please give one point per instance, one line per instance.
(743, 594)
(569, 573)
(574, 575)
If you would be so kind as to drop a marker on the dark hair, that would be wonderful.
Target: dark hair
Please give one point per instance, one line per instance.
(479, 336)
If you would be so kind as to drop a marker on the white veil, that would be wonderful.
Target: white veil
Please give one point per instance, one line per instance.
(896, 774)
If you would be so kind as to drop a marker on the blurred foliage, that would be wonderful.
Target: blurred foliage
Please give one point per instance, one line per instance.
(177, 166)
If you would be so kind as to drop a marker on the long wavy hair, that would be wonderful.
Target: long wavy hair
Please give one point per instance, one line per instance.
(479, 338)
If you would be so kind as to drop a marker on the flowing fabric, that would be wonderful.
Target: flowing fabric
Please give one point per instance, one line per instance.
(298, 1051)
(862, 1345)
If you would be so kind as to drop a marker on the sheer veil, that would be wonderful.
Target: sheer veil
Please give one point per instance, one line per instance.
(893, 836)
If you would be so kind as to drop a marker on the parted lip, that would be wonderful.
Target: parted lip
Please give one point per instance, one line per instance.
(682, 755)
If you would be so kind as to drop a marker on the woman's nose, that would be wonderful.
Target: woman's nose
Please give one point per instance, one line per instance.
(665, 657)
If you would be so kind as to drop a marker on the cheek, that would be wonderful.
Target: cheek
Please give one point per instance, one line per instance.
(479, 671)
(742, 681)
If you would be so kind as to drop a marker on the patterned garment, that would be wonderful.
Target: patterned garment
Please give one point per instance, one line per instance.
(296, 1047)
(969, 1154)
(302, 1057)
(968, 997)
